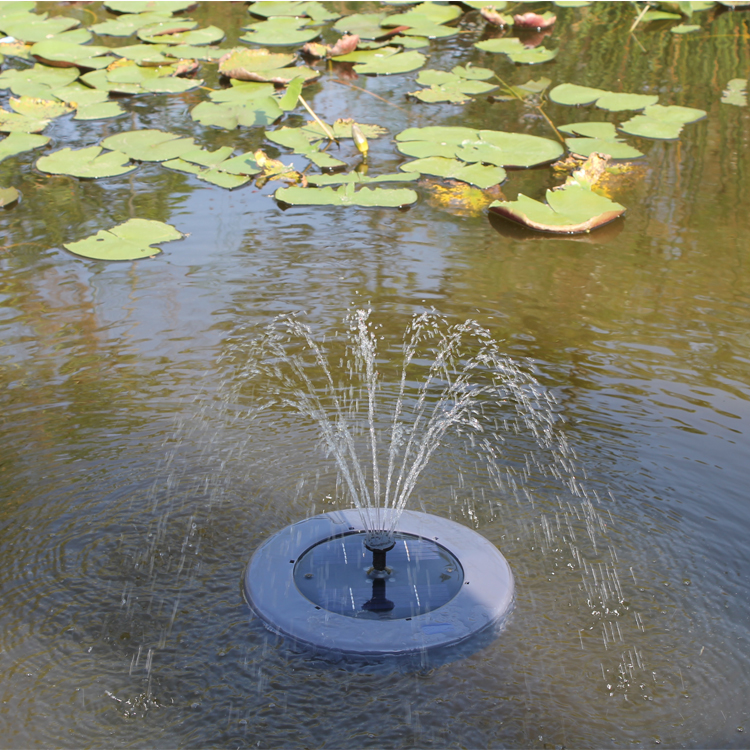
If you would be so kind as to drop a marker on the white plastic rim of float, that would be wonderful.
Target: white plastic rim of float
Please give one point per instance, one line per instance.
(485, 598)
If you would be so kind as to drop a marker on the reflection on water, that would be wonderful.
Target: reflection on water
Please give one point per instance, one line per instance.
(133, 498)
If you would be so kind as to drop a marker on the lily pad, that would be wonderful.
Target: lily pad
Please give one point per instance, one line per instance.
(573, 95)
(431, 12)
(210, 167)
(129, 23)
(189, 51)
(77, 95)
(88, 163)
(475, 174)
(516, 51)
(685, 28)
(346, 196)
(457, 86)
(144, 54)
(241, 92)
(280, 31)
(99, 111)
(39, 109)
(179, 32)
(314, 10)
(131, 240)
(403, 62)
(149, 145)
(599, 137)
(614, 102)
(12, 122)
(145, 6)
(360, 179)
(569, 210)
(256, 112)
(261, 65)
(14, 49)
(39, 81)
(735, 93)
(8, 196)
(661, 123)
(17, 143)
(364, 25)
(35, 28)
(55, 52)
(368, 55)
(660, 15)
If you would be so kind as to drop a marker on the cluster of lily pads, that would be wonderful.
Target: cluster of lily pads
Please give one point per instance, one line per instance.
(69, 75)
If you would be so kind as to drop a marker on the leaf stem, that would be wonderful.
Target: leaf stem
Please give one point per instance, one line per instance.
(326, 129)
(510, 90)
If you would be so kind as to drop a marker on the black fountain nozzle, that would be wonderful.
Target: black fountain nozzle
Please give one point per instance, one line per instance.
(378, 550)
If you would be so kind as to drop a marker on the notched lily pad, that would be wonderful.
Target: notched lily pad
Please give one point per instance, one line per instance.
(452, 169)
(280, 31)
(516, 51)
(346, 196)
(403, 62)
(255, 112)
(598, 137)
(17, 143)
(149, 145)
(8, 196)
(87, 163)
(661, 123)
(63, 54)
(129, 23)
(131, 240)
(570, 210)
(457, 86)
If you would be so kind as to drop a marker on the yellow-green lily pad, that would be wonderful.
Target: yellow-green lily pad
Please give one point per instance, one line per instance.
(131, 240)
(129, 23)
(346, 196)
(17, 143)
(149, 145)
(87, 163)
(8, 196)
(280, 31)
(516, 51)
(403, 62)
(452, 169)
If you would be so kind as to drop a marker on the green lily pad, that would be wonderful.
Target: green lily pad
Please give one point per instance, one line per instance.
(660, 15)
(736, 93)
(99, 111)
(685, 28)
(261, 65)
(314, 10)
(452, 169)
(432, 12)
(569, 210)
(99, 79)
(242, 92)
(39, 109)
(368, 55)
(479, 4)
(88, 163)
(131, 240)
(35, 28)
(179, 32)
(77, 95)
(360, 179)
(191, 52)
(39, 81)
(14, 49)
(516, 51)
(403, 62)
(257, 112)
(78, 55)
(457, 86)
(12, 122)
(281, 31)
(144, 54)
(149, 145)
(346, 196)
(17, 143)
(661, 123)
(364, 25)
(129, 23)
(207, 166)
(573, 95)
(8, 196)
(342, 128)
(621, 102)
(150, 6)
(599, 137)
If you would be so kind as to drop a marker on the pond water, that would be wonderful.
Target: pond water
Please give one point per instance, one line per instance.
(133, 492)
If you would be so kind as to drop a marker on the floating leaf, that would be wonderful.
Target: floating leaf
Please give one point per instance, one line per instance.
(368, 55)
(662, 123)
(364, 25)
(599, 137)
(34, 28)
(88, 163)
(180, 32)
(403, 62)
(17, 143)
(516, 51)
(660, 15)
(456, 86)
(55, 52)
(685, 28)
(39, 81)
(614, 102)
(572, 94)
(99, 111)
(241, 92)
(433, 13)
(12, 122)
(14, 49)
(736, 93)
(149, 145)
(256, 112)
(289, 100)
(262, 65)
(360, 179)
(80, 96)
(39, 109)
(214, 167)
(146, 6)
(346, 196)
(280, 31)
(453, 169)
(189, 51)
(316, 11)
(131, 240)
(129, 23)
(144, 54)
(8, 195)
(569, 210)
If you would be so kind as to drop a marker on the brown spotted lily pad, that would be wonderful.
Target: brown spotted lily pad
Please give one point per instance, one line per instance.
(571, 209)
